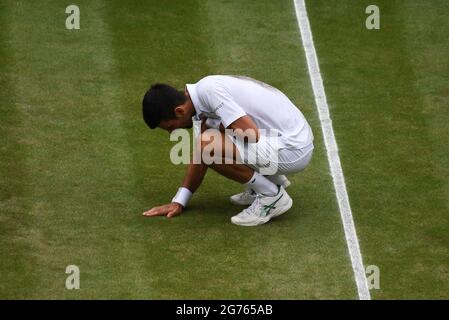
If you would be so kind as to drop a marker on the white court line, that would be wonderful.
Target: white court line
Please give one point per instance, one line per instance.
(332, 151)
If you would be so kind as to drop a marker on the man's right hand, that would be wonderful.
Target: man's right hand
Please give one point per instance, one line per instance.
(169, 210)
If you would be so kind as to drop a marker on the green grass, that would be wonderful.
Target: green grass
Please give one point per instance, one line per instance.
(78, 165)
(388, 92)
(92, 166)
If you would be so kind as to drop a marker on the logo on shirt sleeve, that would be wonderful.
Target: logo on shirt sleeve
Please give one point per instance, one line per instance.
(218, 107)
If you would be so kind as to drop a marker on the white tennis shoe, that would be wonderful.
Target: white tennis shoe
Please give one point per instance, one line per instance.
(263, 209)
(247, 197)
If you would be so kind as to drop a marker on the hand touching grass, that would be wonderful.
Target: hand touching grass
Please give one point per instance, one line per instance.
(169, 210)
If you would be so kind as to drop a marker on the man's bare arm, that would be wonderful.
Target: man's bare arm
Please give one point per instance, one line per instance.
(192, 180)
(194, 176)
(245, 127)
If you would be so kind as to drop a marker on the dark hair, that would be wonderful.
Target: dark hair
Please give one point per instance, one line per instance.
(159, 104)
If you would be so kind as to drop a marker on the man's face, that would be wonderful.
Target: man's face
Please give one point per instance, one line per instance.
(181, 121)
(183, 117)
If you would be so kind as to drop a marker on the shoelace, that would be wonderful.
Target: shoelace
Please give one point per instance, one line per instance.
(253, 208)
(248, 194)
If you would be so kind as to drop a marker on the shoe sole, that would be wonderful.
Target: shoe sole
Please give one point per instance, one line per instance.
(267, 218)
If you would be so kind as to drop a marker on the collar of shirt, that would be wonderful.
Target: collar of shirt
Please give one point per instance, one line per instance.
(191, 88)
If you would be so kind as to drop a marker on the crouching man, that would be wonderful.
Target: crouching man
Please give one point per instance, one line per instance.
(253, 133)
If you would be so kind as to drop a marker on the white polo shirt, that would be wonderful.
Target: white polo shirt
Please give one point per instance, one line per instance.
(224, 99)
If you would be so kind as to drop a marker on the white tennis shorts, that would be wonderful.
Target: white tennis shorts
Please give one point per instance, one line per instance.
(265, 158)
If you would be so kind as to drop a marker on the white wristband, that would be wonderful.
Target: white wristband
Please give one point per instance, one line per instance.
(182, 196)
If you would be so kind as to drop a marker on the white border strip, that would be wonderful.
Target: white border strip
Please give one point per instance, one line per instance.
(332, 150)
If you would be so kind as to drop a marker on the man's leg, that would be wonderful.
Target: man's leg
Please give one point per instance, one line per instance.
(213, 142)
(271, 200)
(279, 179)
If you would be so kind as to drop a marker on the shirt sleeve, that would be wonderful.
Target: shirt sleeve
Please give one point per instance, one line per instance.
(221, 103)
(213, 123)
